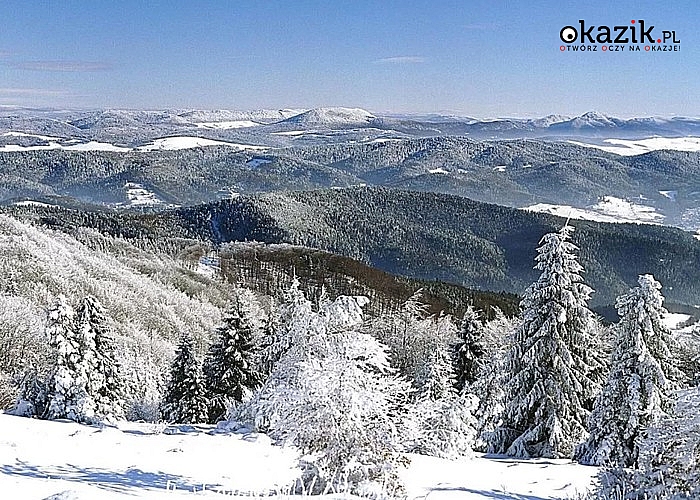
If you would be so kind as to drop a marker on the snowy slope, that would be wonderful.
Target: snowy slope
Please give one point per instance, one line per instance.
(42, 458)
(608, 209)
(626, 147)
(186, 142)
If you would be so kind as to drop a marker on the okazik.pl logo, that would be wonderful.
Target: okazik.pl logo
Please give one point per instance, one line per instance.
(637, 36)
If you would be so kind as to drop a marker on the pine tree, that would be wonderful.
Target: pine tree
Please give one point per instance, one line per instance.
(469, 349)
(638, 389)
(185, 399)
(103, 379)
(229, 369)
(549, 366)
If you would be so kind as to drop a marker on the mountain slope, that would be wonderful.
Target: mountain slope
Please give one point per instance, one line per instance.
(452, 239)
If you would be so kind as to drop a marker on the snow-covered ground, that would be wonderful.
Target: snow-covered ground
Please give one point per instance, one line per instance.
(227, 125)
(609, 209)
(186, 142)
(39, 459)
(627, 147)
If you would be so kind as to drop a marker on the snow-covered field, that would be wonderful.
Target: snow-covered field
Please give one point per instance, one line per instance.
(186, 142)
(627, 147)
(609, 209)
(40, 458)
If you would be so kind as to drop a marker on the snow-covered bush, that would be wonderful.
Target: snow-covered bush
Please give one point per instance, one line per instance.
(332, 395)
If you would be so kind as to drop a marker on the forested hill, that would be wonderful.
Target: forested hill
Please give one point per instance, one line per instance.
(449, 238)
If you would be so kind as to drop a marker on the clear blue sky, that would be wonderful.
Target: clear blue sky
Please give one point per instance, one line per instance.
(483, 58)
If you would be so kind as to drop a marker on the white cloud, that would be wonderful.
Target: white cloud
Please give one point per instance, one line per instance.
(62, 66)
(401, 60)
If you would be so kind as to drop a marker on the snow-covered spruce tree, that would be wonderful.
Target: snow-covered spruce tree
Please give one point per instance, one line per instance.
(549, 366)
(333, 395)
(469, 349)
(185, 400)
(74, 360)
(229, 369)
(669, 458)
(103, 378)
(638, 390)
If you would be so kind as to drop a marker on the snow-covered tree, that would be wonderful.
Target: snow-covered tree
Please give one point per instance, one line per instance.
(333, 395)
(185, 398)
(491, 378)
(469, 349)
(229, 369)
(549, 364)
(74, 359)
(279, 334)
(668, 465)
(103, 378)
(637, 391)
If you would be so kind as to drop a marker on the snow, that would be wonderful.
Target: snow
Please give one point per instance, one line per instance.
(609, 209)
(500, 168)
(672, 320)
(496, 478)
(186, 142)
(256, 162)
(227, 125)
(96, 146)
(139, 196)
(32, 203)
(336, 116)
(35, 136)
(671, 195)
(139, 460)
(627, 147)
(438, 170)
(84, 146)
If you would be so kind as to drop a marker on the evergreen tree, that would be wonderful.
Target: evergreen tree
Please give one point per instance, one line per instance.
(549, 366)
(103, 379)
(74, 357)
(185, 398)
(637, 391)
(469, 349)
(229, 369)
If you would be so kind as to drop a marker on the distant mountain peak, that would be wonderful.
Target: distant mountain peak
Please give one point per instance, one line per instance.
(336, 116)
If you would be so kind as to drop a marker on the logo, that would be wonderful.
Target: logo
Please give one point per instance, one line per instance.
(635, 37)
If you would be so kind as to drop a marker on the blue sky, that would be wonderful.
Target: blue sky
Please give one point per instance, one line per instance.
(478, 58)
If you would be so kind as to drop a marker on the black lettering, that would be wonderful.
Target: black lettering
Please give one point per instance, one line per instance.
(674, 37)
(634, 34)
(645, 33)
(603, 35)
(586, 33)
(621, 30)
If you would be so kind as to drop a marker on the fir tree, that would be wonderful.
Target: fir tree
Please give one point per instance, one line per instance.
(103, 380)
(637, 391)
(185, 399)
(469, 349)
(548, 366)
(229, 369)
(68, 387)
